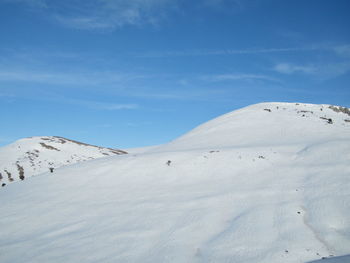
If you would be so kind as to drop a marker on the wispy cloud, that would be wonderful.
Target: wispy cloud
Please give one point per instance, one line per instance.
(343, 50)
(224, 3)
(113, 14)
(217, 52)
(113, 106)
(97, 105)
(102, 14)
(322, 71)
(138, 124)
(89, 78)
(334, 69)
(30, 3)
(6, 95)
(287, 68)
(249, 77)
(90, 104)
(198, 92)
(84, 22)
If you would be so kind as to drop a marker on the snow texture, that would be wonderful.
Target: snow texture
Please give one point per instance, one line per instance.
(267, 183)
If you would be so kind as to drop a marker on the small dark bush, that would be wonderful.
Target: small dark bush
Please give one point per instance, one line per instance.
(329, 120)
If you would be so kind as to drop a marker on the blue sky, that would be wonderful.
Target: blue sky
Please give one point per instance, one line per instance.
(130, 73)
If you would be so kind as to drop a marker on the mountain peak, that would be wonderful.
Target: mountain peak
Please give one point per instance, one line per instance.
(34, 155)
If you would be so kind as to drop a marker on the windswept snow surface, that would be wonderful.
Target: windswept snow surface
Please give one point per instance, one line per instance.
(250, 186)
(35, 155)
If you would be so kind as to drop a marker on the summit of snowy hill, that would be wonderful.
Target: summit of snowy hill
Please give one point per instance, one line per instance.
(268, 183)
(267, 124)
(35, 155)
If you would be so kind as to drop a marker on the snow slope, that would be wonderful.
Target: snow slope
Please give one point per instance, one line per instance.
(35, 155)
(250, 186)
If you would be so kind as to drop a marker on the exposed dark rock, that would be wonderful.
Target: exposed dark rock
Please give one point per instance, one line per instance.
(9, 176)
(340, 109)
(49, 147)
(20, 171)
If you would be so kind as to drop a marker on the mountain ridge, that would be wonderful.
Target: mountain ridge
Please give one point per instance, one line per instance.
(34, 155)
(316, 119)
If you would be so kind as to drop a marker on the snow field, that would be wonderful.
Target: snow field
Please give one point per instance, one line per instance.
(278, 199)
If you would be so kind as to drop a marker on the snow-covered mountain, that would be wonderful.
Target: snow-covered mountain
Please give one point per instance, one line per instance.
(31, 156)
(269, 124)
(267, 183)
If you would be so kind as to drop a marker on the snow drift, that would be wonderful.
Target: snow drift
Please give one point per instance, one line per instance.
(267, 183)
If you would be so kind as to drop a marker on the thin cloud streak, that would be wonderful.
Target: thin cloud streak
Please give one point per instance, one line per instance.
(322, 71)
(112, 107)
(220, 52)
(90, 104)
(287, 68)
(341, 50)
(98, 105)
(62, 78)
(6, 95)
(113, 14)
(225, 77)
(30, 3)
(101, 14)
